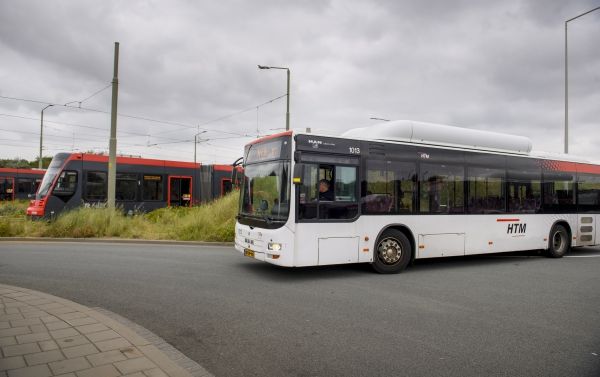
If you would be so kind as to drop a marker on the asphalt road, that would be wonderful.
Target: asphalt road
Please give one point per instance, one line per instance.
(518, 315)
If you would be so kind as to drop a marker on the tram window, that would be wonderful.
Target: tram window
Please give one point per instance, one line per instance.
(588, 193)
(126, 187)
(442, 189)
(389, 187)
(25, 186)
(486, 190)
(95, 186)
(152, 188)
(66, 184)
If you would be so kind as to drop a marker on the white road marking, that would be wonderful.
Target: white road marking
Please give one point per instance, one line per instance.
(583, 256)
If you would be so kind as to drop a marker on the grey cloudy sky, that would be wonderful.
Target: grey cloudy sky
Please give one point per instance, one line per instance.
(489, 65)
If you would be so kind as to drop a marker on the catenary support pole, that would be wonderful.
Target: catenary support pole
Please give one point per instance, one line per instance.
(112, 149)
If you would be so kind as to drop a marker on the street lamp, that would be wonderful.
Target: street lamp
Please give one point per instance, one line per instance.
(196, 143)
(287, 113)
(385, 120)
(42, 134)
(567, 79)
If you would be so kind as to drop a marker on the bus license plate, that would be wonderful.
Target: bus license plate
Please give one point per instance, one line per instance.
(249, 253)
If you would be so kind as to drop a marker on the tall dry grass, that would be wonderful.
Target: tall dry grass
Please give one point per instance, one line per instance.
(214, 221)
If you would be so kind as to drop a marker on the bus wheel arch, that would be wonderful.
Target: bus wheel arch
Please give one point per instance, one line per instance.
(559, 239)
(394, 236)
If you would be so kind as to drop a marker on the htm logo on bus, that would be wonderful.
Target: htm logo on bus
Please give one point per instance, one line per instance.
(516, 228)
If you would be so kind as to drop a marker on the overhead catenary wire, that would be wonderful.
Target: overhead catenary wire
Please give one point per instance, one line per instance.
(147, 119)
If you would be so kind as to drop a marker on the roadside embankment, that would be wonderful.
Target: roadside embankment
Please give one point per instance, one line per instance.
(212, 222)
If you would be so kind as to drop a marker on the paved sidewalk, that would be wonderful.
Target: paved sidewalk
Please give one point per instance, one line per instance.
(43, 335)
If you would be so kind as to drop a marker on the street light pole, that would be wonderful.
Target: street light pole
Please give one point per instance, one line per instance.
(567, 77)
(287, 112)
(42, 135)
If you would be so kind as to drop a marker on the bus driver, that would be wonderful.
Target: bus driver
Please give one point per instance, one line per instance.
(325, 192)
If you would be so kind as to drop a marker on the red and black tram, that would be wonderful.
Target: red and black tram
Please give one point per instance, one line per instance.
(142, 185)
(19, 183)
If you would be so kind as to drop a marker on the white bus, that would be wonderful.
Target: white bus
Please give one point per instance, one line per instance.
(403, 190)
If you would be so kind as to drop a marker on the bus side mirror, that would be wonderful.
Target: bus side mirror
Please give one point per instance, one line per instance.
(298, 176)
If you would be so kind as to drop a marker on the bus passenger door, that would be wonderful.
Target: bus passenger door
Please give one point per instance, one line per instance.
(180, 191)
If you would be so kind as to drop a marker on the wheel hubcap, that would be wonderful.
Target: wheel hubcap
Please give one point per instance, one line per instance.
(389, 251)
(558, 241)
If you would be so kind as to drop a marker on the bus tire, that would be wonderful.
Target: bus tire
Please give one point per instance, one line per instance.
(392, 253)
(559, 242)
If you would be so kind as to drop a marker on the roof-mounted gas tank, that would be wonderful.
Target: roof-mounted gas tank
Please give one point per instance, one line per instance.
(438, 134)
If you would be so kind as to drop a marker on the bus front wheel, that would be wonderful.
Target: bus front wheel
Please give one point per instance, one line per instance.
(392, 253)
(559, 242)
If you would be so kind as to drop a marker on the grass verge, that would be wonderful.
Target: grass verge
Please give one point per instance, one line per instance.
(214, 221)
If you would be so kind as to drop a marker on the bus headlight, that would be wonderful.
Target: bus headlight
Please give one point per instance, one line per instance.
(274, 246)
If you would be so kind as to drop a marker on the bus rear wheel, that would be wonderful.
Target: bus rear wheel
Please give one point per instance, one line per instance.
(392, 252)
(559, 242)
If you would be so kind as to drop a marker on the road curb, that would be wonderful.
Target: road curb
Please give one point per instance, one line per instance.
(114, 240)
(44, 333)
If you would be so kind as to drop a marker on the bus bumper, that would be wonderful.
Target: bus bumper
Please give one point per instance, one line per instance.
(268, 245)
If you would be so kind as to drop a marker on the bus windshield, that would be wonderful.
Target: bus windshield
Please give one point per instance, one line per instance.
(266, 191)
(51, 173)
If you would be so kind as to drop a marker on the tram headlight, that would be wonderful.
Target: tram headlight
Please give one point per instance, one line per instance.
(274, 246)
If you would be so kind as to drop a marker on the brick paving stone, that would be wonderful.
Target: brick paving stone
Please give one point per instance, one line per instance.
(112, 344)
(12, 363)
(15, 331)
(52, 305)
(103, 335)
(49, 318)
(43, 357)
(39, 301)
(34, 314)
(61, 310)
(69, 365)
(92, 328)
(106, 357)
(57, 325)
(7, 341)
(38, 328)
(11, 311)
(35, 337)
(101, 371)
(134, 365)
(83, 350)
(137, 374)
(67, 375)
(11, 317)
(81, 321)
(4, 325)
(48, 345)
(71, 315)
(71, 341)
(63, 333)
(20, 349)
(131, 352)
(155, 373)
(36, 371)
(25, 322)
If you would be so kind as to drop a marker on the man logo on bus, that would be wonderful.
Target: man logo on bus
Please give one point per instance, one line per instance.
(424, 155)
(516, 228)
